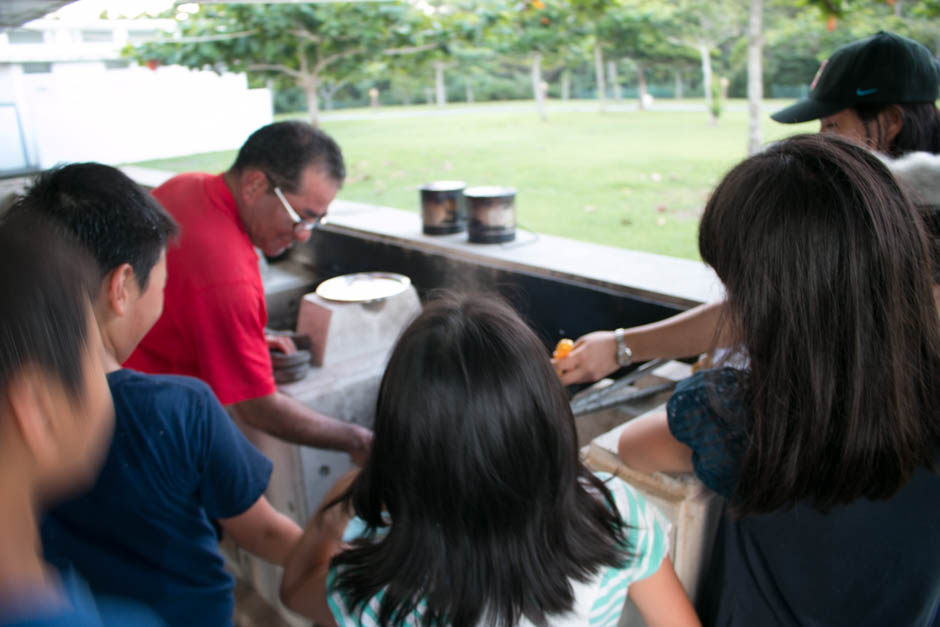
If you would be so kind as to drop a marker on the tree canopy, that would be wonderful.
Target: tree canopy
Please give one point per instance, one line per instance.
(304, 44)
(322, 48)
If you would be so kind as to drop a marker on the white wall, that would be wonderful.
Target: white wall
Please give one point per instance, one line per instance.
(18, 147)
(83, 112)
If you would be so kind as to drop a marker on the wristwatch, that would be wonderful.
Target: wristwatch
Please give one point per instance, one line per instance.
(624, 354)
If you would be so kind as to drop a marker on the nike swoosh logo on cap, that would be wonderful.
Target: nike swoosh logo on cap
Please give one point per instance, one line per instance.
(865, 92)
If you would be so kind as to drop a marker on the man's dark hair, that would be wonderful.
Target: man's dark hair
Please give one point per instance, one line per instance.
(920, 128)
(480, 531)
(283, 150)
(828, 275)
(113, 217)
(45, 279)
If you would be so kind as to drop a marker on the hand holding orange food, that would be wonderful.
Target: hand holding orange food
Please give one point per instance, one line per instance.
(592, 357)
(562, 349)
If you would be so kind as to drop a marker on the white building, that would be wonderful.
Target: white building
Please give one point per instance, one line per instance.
(66, 94)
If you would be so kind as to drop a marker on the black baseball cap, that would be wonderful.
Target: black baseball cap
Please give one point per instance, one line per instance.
(882, 69)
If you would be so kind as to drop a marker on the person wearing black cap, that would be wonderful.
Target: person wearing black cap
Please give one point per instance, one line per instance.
(879, 91)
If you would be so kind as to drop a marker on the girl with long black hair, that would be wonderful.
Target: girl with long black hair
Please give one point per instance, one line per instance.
(827, 445)
(474, 508)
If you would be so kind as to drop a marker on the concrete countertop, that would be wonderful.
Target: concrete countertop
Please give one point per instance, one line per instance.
(659, 277)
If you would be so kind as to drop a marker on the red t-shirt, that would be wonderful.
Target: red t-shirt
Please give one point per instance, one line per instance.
(214, 314)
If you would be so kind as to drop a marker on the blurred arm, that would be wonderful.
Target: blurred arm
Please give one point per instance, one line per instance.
(661, 600)
(263, 531)
(646, 444)
(287, 419)
(303, 587)
(686, 334)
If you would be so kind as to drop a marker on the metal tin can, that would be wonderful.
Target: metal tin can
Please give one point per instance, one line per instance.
(492, 214)
(442, 207)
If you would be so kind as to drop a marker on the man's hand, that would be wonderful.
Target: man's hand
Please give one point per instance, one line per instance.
(287, 419)
(280, 343)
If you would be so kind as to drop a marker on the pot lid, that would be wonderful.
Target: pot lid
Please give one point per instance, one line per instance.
(443, 186)
(363, 287)
(489, 191)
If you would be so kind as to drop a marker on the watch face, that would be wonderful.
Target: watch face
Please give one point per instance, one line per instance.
(624, 356)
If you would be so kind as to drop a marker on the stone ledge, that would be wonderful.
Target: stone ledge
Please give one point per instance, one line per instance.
(658, 277)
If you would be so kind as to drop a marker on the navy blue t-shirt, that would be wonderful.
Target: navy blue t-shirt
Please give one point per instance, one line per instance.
(74, 606)
(177, 461)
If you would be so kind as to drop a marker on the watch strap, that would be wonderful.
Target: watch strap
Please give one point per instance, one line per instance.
(624, 354)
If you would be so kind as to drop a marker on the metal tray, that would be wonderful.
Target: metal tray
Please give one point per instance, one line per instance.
(363, 287)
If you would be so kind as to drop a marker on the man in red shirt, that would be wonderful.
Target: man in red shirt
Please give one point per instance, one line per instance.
(213, 323)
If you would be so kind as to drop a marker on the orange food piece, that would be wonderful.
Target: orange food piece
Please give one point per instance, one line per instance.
(704, 362)
(562, 349)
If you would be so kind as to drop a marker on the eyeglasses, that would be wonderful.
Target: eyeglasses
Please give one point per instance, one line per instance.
(307, 225)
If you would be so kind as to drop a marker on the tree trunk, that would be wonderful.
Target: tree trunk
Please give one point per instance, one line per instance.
(707, 80)
(641, 87)
(270, 86)
(565, 85)
(469, 88)
(439, 90)
(599, 74)
(614, 81)
(755, 78)
(678, 94)
(311, 87)
(537, 84)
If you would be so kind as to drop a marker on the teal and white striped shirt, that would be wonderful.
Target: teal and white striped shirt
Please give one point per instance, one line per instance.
(598, 602)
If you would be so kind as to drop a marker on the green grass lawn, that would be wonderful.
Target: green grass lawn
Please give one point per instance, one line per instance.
(629, 179)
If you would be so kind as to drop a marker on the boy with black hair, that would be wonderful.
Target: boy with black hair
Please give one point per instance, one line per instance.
(56, 417)
(177, 461)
